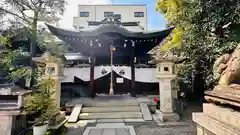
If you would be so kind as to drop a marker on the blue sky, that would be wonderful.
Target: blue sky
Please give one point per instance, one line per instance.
(155, 19)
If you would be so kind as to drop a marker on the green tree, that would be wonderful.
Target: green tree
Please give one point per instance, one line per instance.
(41, 104)
(210, 29)
(10, 69)
(49, 42)
(173, 10)
(42, 10)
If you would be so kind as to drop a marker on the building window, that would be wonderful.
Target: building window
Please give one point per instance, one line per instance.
(118, 16)
(84, 14)
(108, 14)
(138, 14)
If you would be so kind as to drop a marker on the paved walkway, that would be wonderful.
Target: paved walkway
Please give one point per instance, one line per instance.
(110, 129)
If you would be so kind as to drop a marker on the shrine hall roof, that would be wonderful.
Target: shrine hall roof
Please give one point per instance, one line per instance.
(101, 37)
(108, 28)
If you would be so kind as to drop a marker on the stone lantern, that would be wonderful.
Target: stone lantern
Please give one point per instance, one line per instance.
(166, 75)
(54, 70)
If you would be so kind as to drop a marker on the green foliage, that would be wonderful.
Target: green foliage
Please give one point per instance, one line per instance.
(43, 10)
(41, 104)
(209, 28)
(173, 10)
(9, 63)
(47, 42)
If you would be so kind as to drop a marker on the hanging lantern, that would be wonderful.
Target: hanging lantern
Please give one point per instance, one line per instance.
(125, 44)
(113, 48)
(133, 43)
(91, 43)
(89, 59)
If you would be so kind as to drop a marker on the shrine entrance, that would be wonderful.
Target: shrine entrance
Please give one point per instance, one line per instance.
(116, 49)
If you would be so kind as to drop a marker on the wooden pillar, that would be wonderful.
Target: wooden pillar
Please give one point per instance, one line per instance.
(92, 71)
(132, 63)
(92, 65)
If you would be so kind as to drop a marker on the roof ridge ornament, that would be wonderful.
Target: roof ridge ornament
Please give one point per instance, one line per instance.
(111, 19)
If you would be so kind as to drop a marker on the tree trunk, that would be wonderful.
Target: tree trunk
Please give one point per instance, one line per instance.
(33, 44)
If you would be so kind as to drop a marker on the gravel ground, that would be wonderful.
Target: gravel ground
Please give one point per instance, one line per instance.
(185, 127)
(171, 129)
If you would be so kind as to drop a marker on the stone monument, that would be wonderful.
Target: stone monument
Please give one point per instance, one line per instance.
(166, 75)
(54, 70)
(221, 116)
(12, 120)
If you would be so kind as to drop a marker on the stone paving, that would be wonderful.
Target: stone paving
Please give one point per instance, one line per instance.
(111, 131)
(185, 127)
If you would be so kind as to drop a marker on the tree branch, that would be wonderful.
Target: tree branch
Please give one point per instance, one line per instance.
(14, 14)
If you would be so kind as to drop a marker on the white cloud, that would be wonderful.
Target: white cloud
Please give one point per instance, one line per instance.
(72, 10)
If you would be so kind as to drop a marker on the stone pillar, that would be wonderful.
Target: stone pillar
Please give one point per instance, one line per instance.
(165, 74)
(54, 70)
(165, 95)
(20, 101)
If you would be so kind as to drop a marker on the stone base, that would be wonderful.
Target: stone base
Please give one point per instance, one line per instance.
(217, 120)
(11, 124)
(167, 117)
(58, 118)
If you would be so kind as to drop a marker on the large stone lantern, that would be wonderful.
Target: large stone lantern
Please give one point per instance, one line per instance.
(166, 75)
(54, 70)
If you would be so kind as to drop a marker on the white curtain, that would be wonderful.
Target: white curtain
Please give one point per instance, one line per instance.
(145, 75)
(98, 71)
(125, 69)
(84, 73)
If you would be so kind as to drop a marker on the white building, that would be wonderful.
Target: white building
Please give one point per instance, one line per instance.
(126, 13)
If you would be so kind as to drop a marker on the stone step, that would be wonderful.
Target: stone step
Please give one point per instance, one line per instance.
(111, 115)
(111, 109)
(112, 103)
(75, 113)
(136, 120)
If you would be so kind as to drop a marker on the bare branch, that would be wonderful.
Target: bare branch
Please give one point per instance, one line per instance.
(14, 14)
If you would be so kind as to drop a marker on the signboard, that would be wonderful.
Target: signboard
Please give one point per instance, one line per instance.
(119, 80)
